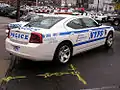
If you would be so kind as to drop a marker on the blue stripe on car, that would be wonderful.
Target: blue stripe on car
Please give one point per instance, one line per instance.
(65, 33)
(48, 35)
(81, 43)
(81, 31)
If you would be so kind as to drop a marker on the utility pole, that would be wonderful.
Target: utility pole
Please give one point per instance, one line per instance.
(66, 3)
(98, 6)
(36, 2)
(82, 3)
(18, 11)
(78, 3)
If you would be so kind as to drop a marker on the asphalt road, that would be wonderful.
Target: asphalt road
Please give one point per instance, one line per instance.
(98, 68)
(4, 56)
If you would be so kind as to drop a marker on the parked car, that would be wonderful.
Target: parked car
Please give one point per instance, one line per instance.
(115, 20)
(4, 11)
(57, 38)
(4, 5)
(111, 16)
(100, 17)
(13, 14)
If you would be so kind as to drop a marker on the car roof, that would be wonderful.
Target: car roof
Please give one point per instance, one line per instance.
(64, 15)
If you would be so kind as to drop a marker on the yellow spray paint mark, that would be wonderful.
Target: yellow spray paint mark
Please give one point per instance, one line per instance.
(7, 79)
(78, 75)
(72, 72)
(47, 75)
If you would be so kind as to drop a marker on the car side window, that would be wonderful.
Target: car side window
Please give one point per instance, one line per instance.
(75, 24)
(89, 22)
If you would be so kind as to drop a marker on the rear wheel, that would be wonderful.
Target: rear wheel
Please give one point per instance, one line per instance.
(63, 53)
(109, 40)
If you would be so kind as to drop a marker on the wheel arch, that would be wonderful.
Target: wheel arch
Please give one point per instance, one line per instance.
(64, 41)
(111, 31)
(107, 44)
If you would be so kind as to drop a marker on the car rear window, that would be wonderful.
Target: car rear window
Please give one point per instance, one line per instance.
(31, 18)
(44, 22)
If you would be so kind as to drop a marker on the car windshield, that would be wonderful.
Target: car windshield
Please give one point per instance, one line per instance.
(44, 22)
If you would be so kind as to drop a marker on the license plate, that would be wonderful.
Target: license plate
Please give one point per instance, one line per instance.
(16, 48)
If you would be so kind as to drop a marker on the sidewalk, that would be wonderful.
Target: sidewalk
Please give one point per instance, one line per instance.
(4, 63)
(4, 21)
(3, 67)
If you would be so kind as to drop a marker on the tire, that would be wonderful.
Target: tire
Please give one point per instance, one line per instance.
(116, 22)
(63, 53)
(109, 40)
(103, 20)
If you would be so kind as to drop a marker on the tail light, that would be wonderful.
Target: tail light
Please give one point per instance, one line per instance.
(36, 38)
(8, 32)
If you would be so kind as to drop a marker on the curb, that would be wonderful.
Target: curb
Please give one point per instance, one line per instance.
(3, 26)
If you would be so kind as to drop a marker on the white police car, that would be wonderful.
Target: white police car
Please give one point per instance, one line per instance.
(58, 37)
(101, 17)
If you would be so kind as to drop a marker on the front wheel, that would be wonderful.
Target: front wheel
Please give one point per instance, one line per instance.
(109, 40)
(63, 53)
(116, 22)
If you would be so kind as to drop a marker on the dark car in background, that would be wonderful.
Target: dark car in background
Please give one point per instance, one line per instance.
(13, 14)
(116, 20)
(4, 11)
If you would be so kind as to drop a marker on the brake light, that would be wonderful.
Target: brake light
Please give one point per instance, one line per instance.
(36, 38)
(8, 32)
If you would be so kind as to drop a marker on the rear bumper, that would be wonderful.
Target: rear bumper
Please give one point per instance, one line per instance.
(35, 52)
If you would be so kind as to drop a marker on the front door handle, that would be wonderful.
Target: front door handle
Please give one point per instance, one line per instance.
(90, 30)
(72, 33)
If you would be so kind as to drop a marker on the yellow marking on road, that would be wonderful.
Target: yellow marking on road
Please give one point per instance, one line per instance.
(78, 75)
(71, 71)
(7, 79)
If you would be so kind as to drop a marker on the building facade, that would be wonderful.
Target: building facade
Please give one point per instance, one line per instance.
(105, 5)
(77, 3)
(8, 1)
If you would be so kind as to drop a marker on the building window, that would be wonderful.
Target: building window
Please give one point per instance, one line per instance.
(91, 1)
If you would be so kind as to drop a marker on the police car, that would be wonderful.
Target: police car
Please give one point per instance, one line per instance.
(101, 17)
(58, 37)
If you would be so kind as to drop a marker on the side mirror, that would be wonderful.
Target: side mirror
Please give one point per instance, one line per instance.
(99, 24)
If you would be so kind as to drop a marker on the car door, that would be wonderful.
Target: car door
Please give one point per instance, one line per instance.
(96, 32)
(78, 35)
